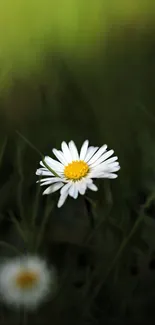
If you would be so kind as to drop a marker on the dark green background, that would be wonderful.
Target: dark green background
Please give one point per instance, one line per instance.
(107, 98)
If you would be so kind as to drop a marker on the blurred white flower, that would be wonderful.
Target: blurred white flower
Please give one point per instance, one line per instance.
(76, 170)
(26, 281)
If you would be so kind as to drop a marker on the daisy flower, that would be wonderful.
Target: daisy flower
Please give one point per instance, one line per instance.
(26, 281)
(75, 171)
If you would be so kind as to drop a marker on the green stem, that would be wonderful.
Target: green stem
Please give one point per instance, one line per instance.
(41, 232)
(49, 168)
(90, 213)
(39, 152)
(29, 143)
(93, 232)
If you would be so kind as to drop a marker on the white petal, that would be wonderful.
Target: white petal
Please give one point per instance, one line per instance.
(112, 159)
(53, 188)
(98, 173)
(71, 190)
(111, 175)
(90, 152)
(82, 186)
(93, 187)
(43, 168)
(66, 152)
(88, 180)
(75, 191)
(114, 164)
(107, 175)
(41, 172)
(83, 151)
(103, 158)
(51, 181)
(98, 154)
(66, 188)
(113, 169)
(73, 150)
(55, 165)
(60, 156)
(95, 174)
(107, 167)
(62, 199)
(41, 163)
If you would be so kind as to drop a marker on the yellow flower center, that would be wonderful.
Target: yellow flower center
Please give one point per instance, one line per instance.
(26, 279)
(76, 170)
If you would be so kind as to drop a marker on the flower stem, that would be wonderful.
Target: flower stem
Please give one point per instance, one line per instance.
(90, 213)
(29, 143)
(49, 168)
(43, 225)
(39, 152)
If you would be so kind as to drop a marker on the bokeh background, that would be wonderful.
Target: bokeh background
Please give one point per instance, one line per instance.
(82, 70)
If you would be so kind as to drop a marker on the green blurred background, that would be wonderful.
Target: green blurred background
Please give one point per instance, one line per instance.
(82, 70)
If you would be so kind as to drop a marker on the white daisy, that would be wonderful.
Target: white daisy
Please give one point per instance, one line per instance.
(26, 281)
(76, 170)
